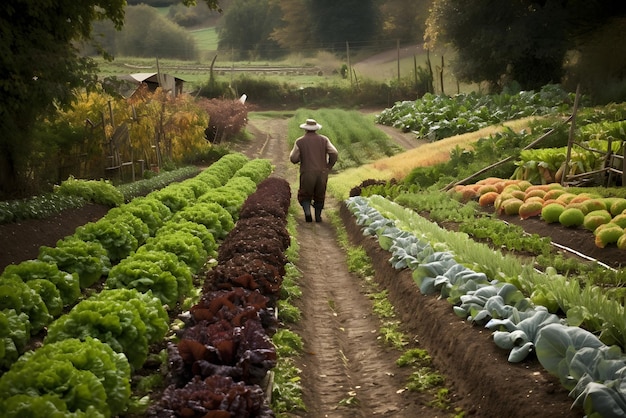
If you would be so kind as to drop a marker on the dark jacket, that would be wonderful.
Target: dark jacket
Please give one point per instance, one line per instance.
(314, 152)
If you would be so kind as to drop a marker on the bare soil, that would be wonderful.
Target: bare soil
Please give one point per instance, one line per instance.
(346, 370)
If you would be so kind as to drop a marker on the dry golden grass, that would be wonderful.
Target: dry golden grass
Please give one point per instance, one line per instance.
(398, 166)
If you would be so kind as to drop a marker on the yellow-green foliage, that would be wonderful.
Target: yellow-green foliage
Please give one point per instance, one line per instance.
(608, 235)
(617, 206)
(572, 217)
(593, 205)
(551, 212)
(596, 218)
(620, 220)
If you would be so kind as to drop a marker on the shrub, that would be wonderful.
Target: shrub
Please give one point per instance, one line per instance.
(227, 118)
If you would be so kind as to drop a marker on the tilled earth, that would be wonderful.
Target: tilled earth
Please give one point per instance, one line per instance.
(346, 370)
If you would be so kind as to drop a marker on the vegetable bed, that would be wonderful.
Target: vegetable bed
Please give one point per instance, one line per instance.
(149, 253)
(481, 285)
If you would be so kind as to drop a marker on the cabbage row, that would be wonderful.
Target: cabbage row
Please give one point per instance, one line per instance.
(439, 116)
(592, 371)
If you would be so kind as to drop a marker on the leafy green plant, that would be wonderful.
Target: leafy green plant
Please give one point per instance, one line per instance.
(288, 343)
(88, 259)
(151, 211)
(37, 207)
(14, 335)
(97, 191)
(67, 283)
(90, 356)
(187, 247)
(286, 388)
(143, 187)
(381, 306)
(116, 238)
(159, 272)
(287, 312)
(423, 379)
(391, 334)
(442, 399)
(440, 116)
(216, 219)
(113, 322)
(414, 357)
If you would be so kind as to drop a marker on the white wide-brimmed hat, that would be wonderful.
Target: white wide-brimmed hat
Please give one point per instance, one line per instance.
(311, 125)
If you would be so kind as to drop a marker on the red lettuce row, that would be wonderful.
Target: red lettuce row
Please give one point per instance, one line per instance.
(215, 397)
(225, 351)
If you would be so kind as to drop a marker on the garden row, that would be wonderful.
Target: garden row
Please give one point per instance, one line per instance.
(440, 116)
(490, 289)
(224, 352)
(148, 252)
(604, 216)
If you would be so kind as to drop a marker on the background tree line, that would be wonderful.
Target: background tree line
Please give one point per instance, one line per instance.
(517, 45)
(520, 45)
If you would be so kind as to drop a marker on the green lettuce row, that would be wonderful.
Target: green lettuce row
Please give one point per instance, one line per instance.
(68, 285)
(98, 191)
(216, 218)
(257, 170)
(70, 377)
(14, 335)
(224, 168)
(88, 259)
(152, 270)
(592, 371)
(127, 322)
(89, 253)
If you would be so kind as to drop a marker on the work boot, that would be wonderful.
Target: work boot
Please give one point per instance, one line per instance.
(318, 215)
(306, 206)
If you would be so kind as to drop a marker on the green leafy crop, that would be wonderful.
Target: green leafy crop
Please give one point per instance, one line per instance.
(88, 259)
(115, 323)
(97, 191)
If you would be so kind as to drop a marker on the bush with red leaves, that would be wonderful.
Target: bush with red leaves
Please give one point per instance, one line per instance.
(227, 118)
(235, 306)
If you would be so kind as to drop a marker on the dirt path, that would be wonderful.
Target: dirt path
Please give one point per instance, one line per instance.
(347, 372)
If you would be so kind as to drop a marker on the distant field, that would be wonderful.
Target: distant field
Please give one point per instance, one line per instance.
(295, 69)
(206, 39)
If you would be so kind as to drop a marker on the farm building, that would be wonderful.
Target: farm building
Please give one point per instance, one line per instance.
(153, 80)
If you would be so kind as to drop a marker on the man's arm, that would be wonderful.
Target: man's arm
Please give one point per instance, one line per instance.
(294, 155)
(333, 154)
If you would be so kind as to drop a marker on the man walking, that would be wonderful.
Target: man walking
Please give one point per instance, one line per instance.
(317, 156)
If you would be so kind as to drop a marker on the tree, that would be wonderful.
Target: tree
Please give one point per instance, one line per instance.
(293, 32)
(246, 27)
(41, 70)
(308, 25)
(404, 20)
(146, 33)
(524, 41)
(336, 22)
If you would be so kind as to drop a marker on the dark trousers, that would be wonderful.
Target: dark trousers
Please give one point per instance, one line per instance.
(313, 188)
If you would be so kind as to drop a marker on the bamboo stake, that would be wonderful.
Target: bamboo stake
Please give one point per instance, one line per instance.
(570, 140)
